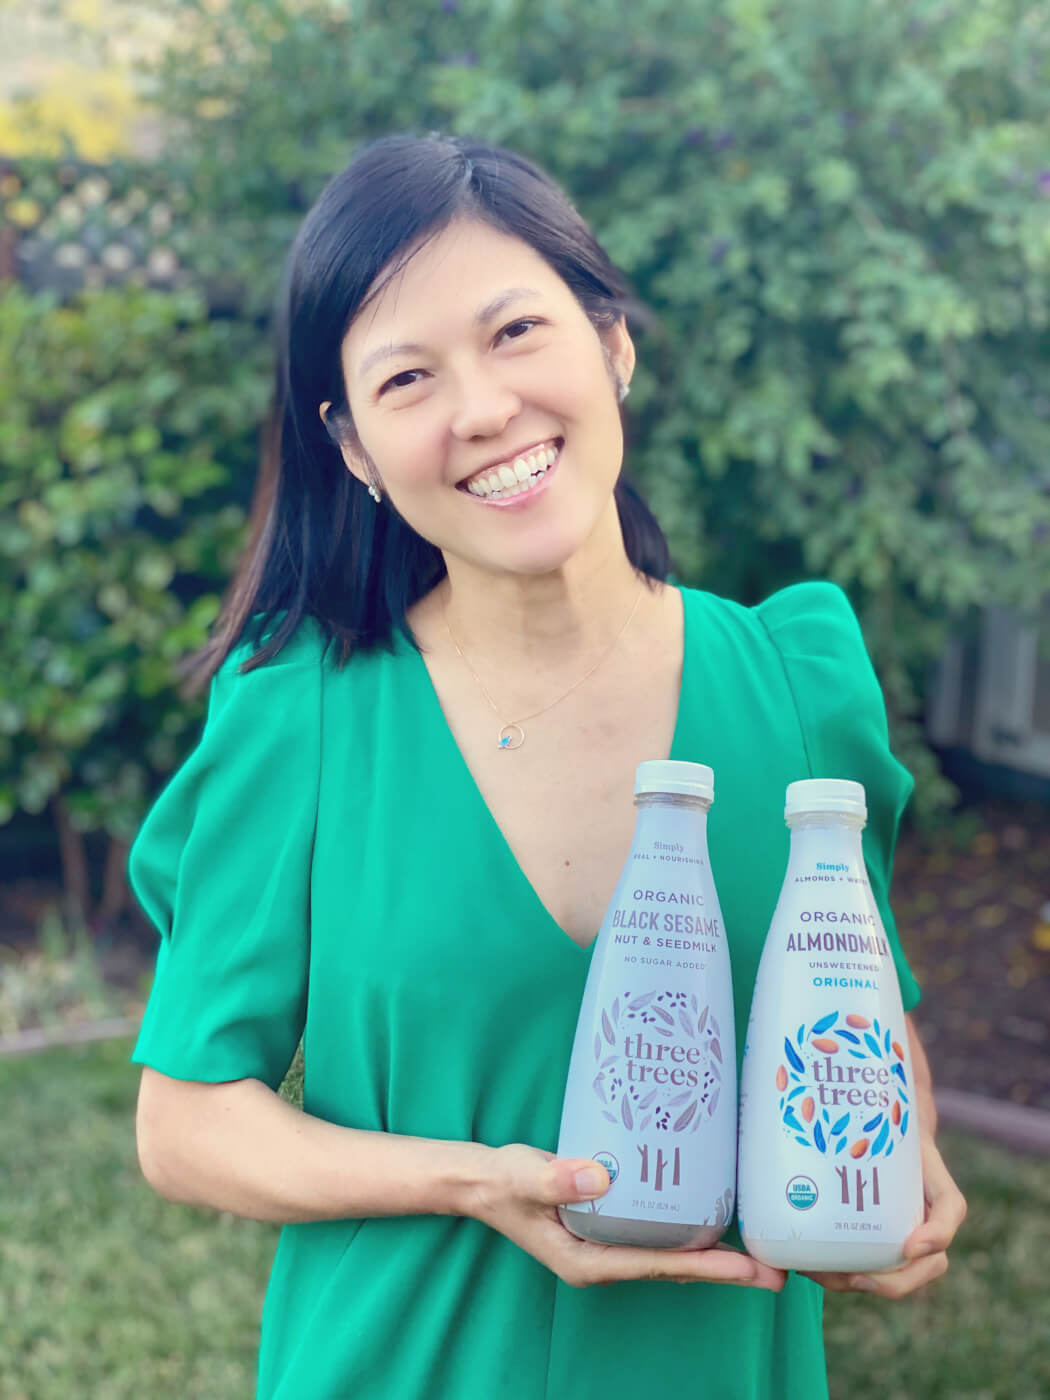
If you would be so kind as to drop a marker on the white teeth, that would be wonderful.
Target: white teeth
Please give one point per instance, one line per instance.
(522, 468)
(512, 480)
(507, 475)
(552, 456)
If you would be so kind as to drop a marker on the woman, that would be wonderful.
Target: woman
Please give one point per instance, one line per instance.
(450, 644)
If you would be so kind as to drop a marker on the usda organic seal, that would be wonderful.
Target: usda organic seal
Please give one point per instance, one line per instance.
(802, 1192)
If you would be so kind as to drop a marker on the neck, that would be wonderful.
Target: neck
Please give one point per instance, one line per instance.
(545, 619)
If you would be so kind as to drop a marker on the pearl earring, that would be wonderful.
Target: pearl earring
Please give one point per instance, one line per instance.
(625, 389)
(373, 490)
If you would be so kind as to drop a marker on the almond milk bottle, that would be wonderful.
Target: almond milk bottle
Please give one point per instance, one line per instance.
(829, 1171)
(651, 1092)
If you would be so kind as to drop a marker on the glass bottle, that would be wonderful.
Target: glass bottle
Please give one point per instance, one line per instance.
(651, 1090)
(829, 1169)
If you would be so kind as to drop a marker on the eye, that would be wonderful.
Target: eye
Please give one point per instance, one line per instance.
(517, 329)
(400, 381)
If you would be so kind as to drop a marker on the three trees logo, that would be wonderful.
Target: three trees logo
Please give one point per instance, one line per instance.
(844, 1089)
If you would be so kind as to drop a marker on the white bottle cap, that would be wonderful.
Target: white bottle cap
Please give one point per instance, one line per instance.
(826, 795)
(672, 775)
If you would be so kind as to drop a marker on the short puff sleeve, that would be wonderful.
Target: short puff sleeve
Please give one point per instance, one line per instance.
(843, 719)
(221, 866)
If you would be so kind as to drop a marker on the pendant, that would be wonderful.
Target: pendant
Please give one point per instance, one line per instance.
(511, 736)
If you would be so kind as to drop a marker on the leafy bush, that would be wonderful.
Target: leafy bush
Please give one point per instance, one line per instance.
(126, 419)
(840, 214)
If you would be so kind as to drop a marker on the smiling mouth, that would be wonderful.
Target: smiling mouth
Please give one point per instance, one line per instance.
(516, 477)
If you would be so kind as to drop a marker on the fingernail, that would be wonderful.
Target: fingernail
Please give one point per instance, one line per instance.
(589, 1182)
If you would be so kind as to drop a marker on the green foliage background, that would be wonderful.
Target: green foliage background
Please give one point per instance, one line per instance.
(840, 216)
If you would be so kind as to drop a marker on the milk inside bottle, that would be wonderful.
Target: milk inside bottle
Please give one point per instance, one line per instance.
(829, 1170)
(651, 1091)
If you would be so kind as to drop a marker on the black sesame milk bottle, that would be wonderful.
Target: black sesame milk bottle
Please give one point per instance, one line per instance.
(651, 1091)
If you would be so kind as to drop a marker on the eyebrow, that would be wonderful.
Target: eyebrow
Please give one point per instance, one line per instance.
(487, 313)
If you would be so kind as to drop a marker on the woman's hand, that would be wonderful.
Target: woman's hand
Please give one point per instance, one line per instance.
(519, 1197)
(925, 1249)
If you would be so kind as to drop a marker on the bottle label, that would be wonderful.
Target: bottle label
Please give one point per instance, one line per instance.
(652, 1086)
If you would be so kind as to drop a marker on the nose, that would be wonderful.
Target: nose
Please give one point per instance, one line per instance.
(483, 405)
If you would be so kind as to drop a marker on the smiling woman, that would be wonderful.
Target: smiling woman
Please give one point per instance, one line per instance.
(449, 646)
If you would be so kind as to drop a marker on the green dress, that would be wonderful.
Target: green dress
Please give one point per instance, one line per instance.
(323, 865)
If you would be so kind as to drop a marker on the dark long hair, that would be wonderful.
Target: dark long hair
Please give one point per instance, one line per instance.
(318, 545)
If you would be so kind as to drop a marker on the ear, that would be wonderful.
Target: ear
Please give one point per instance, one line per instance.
(352, 456)
(620, 349)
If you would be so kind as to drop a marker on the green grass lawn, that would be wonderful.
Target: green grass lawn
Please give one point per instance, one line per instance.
(108, 1293)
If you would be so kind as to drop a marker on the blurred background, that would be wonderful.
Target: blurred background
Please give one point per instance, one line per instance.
(840, 218)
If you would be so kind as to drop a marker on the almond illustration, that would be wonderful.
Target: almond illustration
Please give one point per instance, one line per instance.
(897, 1050)
(859, 1023)
(829, 1047)
(782, 1078)
(807, 1110)
(859, 1148)
(895, 1112)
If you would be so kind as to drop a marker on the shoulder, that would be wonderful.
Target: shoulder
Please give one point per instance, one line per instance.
(294, 669)
(806, 618)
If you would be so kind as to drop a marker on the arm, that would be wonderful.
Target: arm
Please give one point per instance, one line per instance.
(239, 1147)
(926, 1248)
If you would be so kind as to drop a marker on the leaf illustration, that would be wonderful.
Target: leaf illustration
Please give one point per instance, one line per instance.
(686, 1024)
(694, 1003)
(716, 1050)
(662, 1030)
(875, 1027)
(597, 1047)
(793, 1058)
(848, 1035)
(607, 1030)
(715, 1072)
(899, 1072)
(841, 1145)
(714, 1027)
(872, 1123)
(802, 1140)
(880, 1141)
(649, 1098)
(800, 1033)
(889, 1149)
(609, 1060)
(713, 1104)
(641, 1001)
(597, 1087)
(609, 1116)
(825, 1022)
(645, 1122)
(662, 1011)
(818, 1137)
(858, 1054)
(902, 1095)
(872, 1044)
(795, 1092)
(904, 1125)
(792, 1121)
(685, 1119)
(886, 1042)
(626, 1114)
(826, 1116)
(841, 1125)
(703, 1020)
(616, 1012)
(679, 1098)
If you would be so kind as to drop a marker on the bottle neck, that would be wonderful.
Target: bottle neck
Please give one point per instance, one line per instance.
(827, 839)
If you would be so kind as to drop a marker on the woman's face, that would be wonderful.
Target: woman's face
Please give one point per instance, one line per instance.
(476, 367)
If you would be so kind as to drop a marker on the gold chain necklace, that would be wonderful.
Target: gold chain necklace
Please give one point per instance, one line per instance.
(511, 735)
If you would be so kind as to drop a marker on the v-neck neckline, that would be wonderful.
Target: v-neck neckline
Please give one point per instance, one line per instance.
(440, 723)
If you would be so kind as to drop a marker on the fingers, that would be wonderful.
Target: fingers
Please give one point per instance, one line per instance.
(567, 1180)
(946, 1208)
(894, 1285)
(593, 1265)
